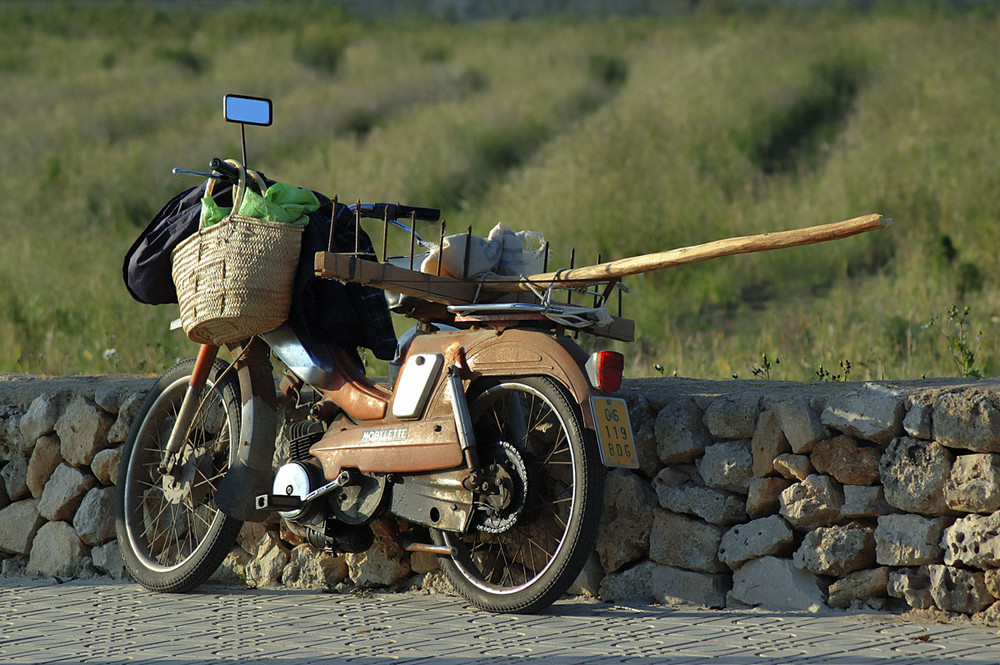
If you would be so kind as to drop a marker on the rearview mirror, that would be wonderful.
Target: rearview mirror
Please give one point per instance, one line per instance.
(247, 110)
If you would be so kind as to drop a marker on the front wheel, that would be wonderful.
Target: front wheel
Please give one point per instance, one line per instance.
(532, 534)
(170, 532)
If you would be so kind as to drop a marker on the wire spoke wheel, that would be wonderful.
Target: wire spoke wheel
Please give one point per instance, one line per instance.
(532, 533)
(170, 532)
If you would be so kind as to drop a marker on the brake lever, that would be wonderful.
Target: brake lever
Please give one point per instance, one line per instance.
(204, 174)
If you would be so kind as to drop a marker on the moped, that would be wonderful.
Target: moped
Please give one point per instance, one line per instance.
(489, 444)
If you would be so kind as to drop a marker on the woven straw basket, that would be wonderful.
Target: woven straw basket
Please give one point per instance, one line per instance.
(234, 279)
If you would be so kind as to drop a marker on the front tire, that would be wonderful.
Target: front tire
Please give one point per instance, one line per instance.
(171, 534)
(529, 543)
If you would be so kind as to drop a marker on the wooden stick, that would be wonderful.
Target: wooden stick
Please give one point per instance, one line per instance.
(676, 257)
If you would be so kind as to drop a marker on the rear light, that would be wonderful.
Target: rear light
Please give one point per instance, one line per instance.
(604, 369)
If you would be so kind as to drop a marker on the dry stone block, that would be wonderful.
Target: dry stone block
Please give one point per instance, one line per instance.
(793, 467)
(973, 486)
(40, 419)
(837, 550)
(969, 419)
(874, 413)
(917, 422)
(680, 434)
(383, 564)
(801, 425)
(629, 503)
(959, 590)
(733, 416)
(842, 458)
(672, 585)
(126, 416)
(912, 585)
(64, 492)
(777, 584)
(764, 496)
(309, 568)
(83, 430)
(757, 538)
(95, 518)
(909, 540)
(269, 562)
(105, 465)
(12, 444)
(57, 551)
(816, 501)
(19, 522)
(632, 585)
(44, 460)
(727, 466)
(768, 442)
(683, 542)
(865, 501)
(914, 474)
(643, 420)
(15, 478)
(683, 496)
(860, 585)
(108, 559)
(973, 541)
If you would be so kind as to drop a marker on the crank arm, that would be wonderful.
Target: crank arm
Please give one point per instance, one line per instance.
(289, 503)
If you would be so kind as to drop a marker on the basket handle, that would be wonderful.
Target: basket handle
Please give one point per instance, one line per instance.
(241, 187)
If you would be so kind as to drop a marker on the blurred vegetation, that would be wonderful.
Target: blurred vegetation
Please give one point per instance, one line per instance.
(616, 137)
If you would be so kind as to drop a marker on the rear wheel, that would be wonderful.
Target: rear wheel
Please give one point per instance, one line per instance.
(171, 534)
(534, 530)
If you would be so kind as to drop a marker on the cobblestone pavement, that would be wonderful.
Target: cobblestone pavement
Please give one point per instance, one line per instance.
(114, 622)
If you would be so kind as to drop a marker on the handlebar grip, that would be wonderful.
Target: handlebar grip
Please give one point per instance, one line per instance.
(225, 169)
(423, 214)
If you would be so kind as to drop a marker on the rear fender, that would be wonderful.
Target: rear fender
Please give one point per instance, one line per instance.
(514, 352)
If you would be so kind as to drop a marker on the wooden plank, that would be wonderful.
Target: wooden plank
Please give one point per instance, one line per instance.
(612, 270)
(445, 290)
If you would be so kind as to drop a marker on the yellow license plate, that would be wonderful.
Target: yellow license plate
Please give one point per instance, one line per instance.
(614, 432)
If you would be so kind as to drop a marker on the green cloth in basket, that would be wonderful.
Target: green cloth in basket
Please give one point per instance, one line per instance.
(280, 203)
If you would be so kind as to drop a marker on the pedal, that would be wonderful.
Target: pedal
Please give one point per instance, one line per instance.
(278, 502)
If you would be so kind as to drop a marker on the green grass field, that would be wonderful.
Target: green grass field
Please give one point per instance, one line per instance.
(616, 137)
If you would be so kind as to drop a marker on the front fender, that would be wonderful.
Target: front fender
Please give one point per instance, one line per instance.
(251, 475)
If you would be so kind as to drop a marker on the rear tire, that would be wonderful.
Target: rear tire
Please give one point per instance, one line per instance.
(525, 550)
(171, 534)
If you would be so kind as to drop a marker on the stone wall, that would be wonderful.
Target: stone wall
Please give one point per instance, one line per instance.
(762, 493)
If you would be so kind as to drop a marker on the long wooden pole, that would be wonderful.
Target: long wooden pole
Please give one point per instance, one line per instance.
(611, 270)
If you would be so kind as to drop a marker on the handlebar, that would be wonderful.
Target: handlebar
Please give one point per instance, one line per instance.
(396, 211)
(391, 211)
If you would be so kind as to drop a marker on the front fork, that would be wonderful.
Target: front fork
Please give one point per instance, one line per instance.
(189, 407)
